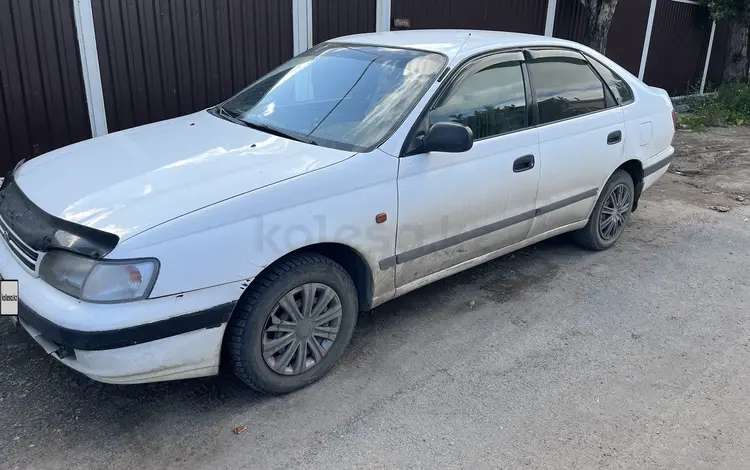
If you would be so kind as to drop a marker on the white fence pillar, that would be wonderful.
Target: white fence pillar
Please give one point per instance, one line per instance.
(302, 25)
(708, 57)
(549, 27)
(647, 42)
(92, 78)
(383, 20)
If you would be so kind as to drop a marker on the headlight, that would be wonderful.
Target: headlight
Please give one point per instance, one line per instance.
(99, 281)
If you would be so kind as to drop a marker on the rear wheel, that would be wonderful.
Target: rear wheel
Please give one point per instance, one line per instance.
(610, 215)
(293, 324)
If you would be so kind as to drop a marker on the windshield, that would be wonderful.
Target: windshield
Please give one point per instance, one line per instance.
(348, 97)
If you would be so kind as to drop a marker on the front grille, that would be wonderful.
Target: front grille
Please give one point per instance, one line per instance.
(26, 255)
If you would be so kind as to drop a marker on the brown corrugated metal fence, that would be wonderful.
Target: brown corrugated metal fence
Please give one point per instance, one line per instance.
(42, 97)
(679, 42)
(522, 16)
(334, 18)
(628, 33)
(626, 36)
(164, 58)
(570, 20)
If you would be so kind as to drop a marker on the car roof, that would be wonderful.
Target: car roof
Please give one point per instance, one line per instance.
(455, 42)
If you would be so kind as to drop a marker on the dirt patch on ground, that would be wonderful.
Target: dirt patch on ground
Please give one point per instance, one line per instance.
(711, 168)
(719, 157)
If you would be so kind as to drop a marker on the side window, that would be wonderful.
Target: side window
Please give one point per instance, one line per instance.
(565, 88)
(618, 86)
(491, 102)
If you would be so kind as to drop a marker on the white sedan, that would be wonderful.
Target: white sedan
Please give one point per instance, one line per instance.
(251, 234)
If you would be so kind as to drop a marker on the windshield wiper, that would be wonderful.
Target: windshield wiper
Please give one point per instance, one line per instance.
(223, 113)
(272, 130)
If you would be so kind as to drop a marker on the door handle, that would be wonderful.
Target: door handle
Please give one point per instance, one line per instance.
(614, 138)
(524, 163)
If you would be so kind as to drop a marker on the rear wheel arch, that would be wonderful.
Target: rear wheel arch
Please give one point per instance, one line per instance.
(594, 235)
(635, 169)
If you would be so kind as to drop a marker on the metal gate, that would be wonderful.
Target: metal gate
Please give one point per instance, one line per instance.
(522, 16)
(42, 97)
(164, 58)
(334, 18)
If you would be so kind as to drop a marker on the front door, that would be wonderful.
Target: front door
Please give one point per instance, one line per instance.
(454, 207)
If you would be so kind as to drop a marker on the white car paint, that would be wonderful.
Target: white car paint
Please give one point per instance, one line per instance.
(163, 171)
(497, 194)
(217, 203)
(570, 168)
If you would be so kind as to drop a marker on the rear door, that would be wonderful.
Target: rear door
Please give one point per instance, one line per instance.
(581, 136)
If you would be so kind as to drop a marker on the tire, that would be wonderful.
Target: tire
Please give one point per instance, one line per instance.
(262, 321)
(593, 236)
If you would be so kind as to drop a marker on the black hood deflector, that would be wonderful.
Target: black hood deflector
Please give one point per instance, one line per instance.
(43, 231)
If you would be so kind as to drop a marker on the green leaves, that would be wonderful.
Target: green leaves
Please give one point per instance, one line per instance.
(721, 9)
(729, 106)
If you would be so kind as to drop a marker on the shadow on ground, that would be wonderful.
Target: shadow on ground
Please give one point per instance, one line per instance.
(42, 400)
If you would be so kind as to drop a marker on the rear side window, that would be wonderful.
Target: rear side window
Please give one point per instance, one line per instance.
(618, 86)
(566, 88)
(491, 102)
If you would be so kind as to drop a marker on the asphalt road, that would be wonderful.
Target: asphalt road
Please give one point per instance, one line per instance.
(635, 357)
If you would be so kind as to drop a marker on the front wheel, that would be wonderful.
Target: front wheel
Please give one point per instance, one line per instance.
(610, 215)
(292, 324)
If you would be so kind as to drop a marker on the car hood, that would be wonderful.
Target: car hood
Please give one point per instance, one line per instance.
(127, 182)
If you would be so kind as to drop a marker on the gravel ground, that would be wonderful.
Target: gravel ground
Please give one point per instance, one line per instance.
(636, 357)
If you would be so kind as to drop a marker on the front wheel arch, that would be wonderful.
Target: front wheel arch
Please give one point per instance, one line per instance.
(242, 347)
(353, 262)
(347, 257)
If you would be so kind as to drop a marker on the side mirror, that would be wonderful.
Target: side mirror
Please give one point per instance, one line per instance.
(448, 137)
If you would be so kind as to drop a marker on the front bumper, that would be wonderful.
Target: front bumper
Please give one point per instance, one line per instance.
(166, 338)
(70, 339)
(184, 356)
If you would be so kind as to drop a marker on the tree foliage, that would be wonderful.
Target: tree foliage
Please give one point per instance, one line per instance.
(723, 9)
